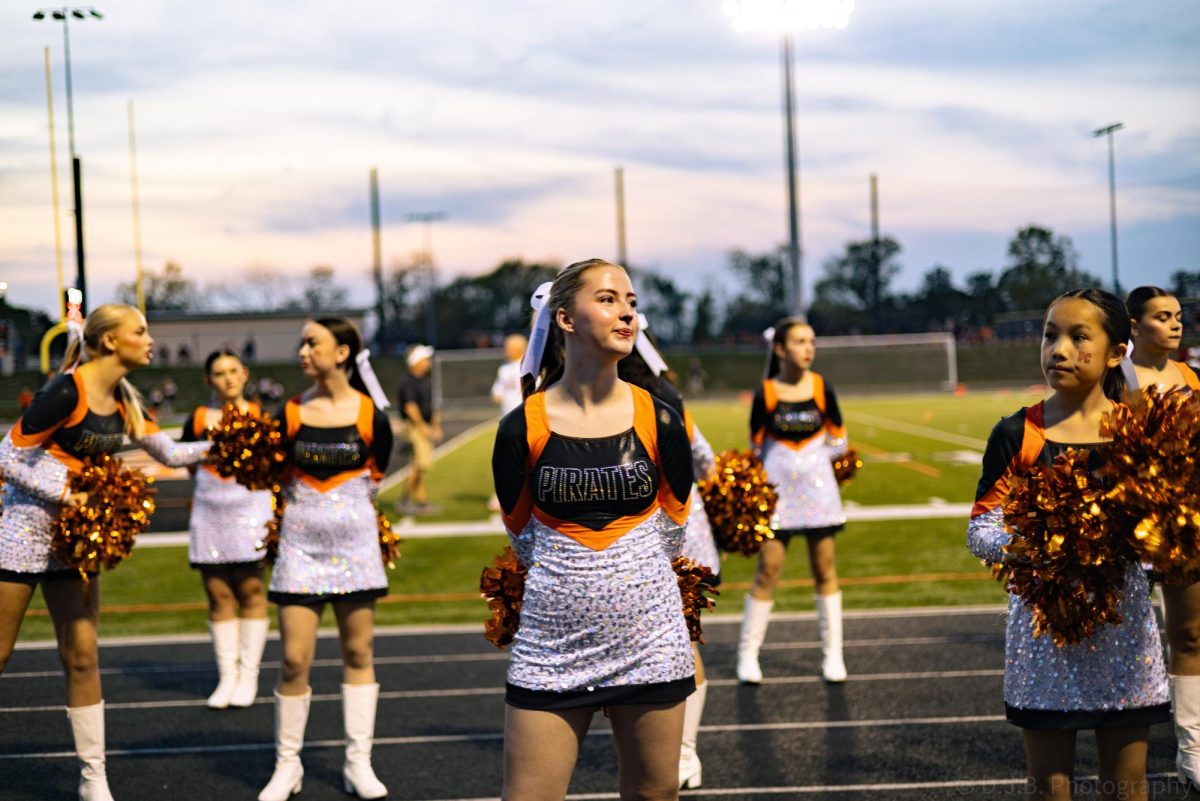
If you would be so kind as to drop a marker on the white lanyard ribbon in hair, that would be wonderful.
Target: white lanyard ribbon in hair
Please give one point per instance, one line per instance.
(646, 350)
(362, 360)
(539, 333)
(769, 338)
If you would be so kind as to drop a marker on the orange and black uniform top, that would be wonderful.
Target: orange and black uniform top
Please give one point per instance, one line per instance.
(592, 490)
(195, 428)
(60, 421)
(795, 423)
(324, 458)
(1189, 375)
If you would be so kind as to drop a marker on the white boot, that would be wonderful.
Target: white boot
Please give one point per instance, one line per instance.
(291, 716)
(689, 760)
(358, 713)
(1185, 703)
(756, 615)
(225, 644)
(252, 638)
(829, 623)
(87, 725)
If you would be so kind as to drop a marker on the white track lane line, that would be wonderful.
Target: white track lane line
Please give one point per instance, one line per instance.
(499, 690)
(915, 430)
(501, 656)
(492, 736)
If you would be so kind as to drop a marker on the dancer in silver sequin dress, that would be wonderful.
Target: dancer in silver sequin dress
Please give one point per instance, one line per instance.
(88, 410)
(1157, 328)
(339, 444)
(226, 530)
(1113, 682)
(593, 477)
(796, 429)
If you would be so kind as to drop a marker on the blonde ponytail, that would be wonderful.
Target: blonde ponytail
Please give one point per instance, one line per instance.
(103, 319)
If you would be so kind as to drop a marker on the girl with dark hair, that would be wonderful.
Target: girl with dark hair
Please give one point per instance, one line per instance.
(225, 532)
(339, 443)
(593, 476)
(796, 429)
(698, 543)
(1156, 326)
(1114, 681)
(87, 410)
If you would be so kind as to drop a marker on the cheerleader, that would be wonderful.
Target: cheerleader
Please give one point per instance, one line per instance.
(1157, 325)
(796, 429)
(225, 534)
(1113, 682)
(339, 442)
(593, 476)
(645, 368)
(88, 410)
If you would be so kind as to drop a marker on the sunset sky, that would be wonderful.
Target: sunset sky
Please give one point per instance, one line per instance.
(257, 124)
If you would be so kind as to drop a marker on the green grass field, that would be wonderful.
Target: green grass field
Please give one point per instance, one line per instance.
(915, 448)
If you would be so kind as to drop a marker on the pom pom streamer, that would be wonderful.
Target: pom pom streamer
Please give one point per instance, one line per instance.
(1067, 556)
(694, 581)
(270, 541)
(389, 542)
(101, 531)
(739, 502)
(248, 449)
(503, 584)
(1156, 479)
(846, 466)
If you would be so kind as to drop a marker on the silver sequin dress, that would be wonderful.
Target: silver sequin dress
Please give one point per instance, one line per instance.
(1114, 678)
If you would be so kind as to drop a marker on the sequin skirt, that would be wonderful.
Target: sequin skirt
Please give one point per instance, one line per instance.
(808, 491)
(698, 543)
(329, 541)
(1119, 667)
(228, 521)
(604, 618)
(25, 532)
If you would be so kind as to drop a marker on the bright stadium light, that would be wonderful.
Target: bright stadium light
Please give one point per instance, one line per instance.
(788, 15)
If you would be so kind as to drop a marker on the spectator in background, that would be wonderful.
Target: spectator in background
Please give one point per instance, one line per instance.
(169, 391)
(249, 350)
(506, 389)
(183, 355)
(424, 425)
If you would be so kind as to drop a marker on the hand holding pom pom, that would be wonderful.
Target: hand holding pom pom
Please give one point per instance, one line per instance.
(503, 584)
(739, 502)
(694, 581)
(248, 449)
(846, 466)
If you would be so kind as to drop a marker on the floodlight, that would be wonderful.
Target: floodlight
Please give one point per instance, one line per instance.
(39, 15)
(97, 14)
(58, 15)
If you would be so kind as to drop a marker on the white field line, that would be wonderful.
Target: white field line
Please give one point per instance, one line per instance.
(466, 692)
(483, 736)
(915, 430)
(478, 528)
(495, 656)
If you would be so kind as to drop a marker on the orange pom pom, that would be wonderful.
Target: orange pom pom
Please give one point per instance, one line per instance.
(846, 466)
(739, 502)
(503, 584)
(248, 449)
(694, 581)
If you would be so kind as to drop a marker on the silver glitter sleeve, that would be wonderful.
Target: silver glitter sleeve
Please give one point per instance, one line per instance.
(162, 448)
(703, 460)
(34, 470)
(672, 535)
(836, 445)
(987, 536)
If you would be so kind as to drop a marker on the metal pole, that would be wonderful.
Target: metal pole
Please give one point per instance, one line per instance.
(622, 252)
(1112, 212)
(80, 273)
(58, 260)
(67, 58)
(793, 189)
(377, 262)
(137, 216)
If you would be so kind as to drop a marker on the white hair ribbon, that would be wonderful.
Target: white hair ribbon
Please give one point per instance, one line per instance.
(539, 333)
(646, 350)
(74, 321)
(362, 360)
(769, 338)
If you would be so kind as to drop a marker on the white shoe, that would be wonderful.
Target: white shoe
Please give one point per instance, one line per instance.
(756, 615)
(225, 644)
(87, 726)
(252, 638)
(291, 716)
(829, 623)
(689, 760)
(358, 714)
(1185, 705)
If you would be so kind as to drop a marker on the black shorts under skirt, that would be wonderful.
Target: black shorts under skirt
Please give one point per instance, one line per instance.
(305, 599)
(33, 579)
(226, 565)
(667, 692)
(785, 535)
(1074, 720)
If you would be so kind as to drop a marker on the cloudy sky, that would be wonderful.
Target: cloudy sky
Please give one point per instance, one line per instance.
(258, 123)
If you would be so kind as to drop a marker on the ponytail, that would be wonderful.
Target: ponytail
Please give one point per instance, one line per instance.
(135, 409)
(85, 340)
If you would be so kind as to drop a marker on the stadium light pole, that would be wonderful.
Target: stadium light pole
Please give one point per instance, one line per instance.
(786, 17)
(1112, 198)
(63, 14)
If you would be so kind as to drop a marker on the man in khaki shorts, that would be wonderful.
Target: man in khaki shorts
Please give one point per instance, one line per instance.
(424, 426)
